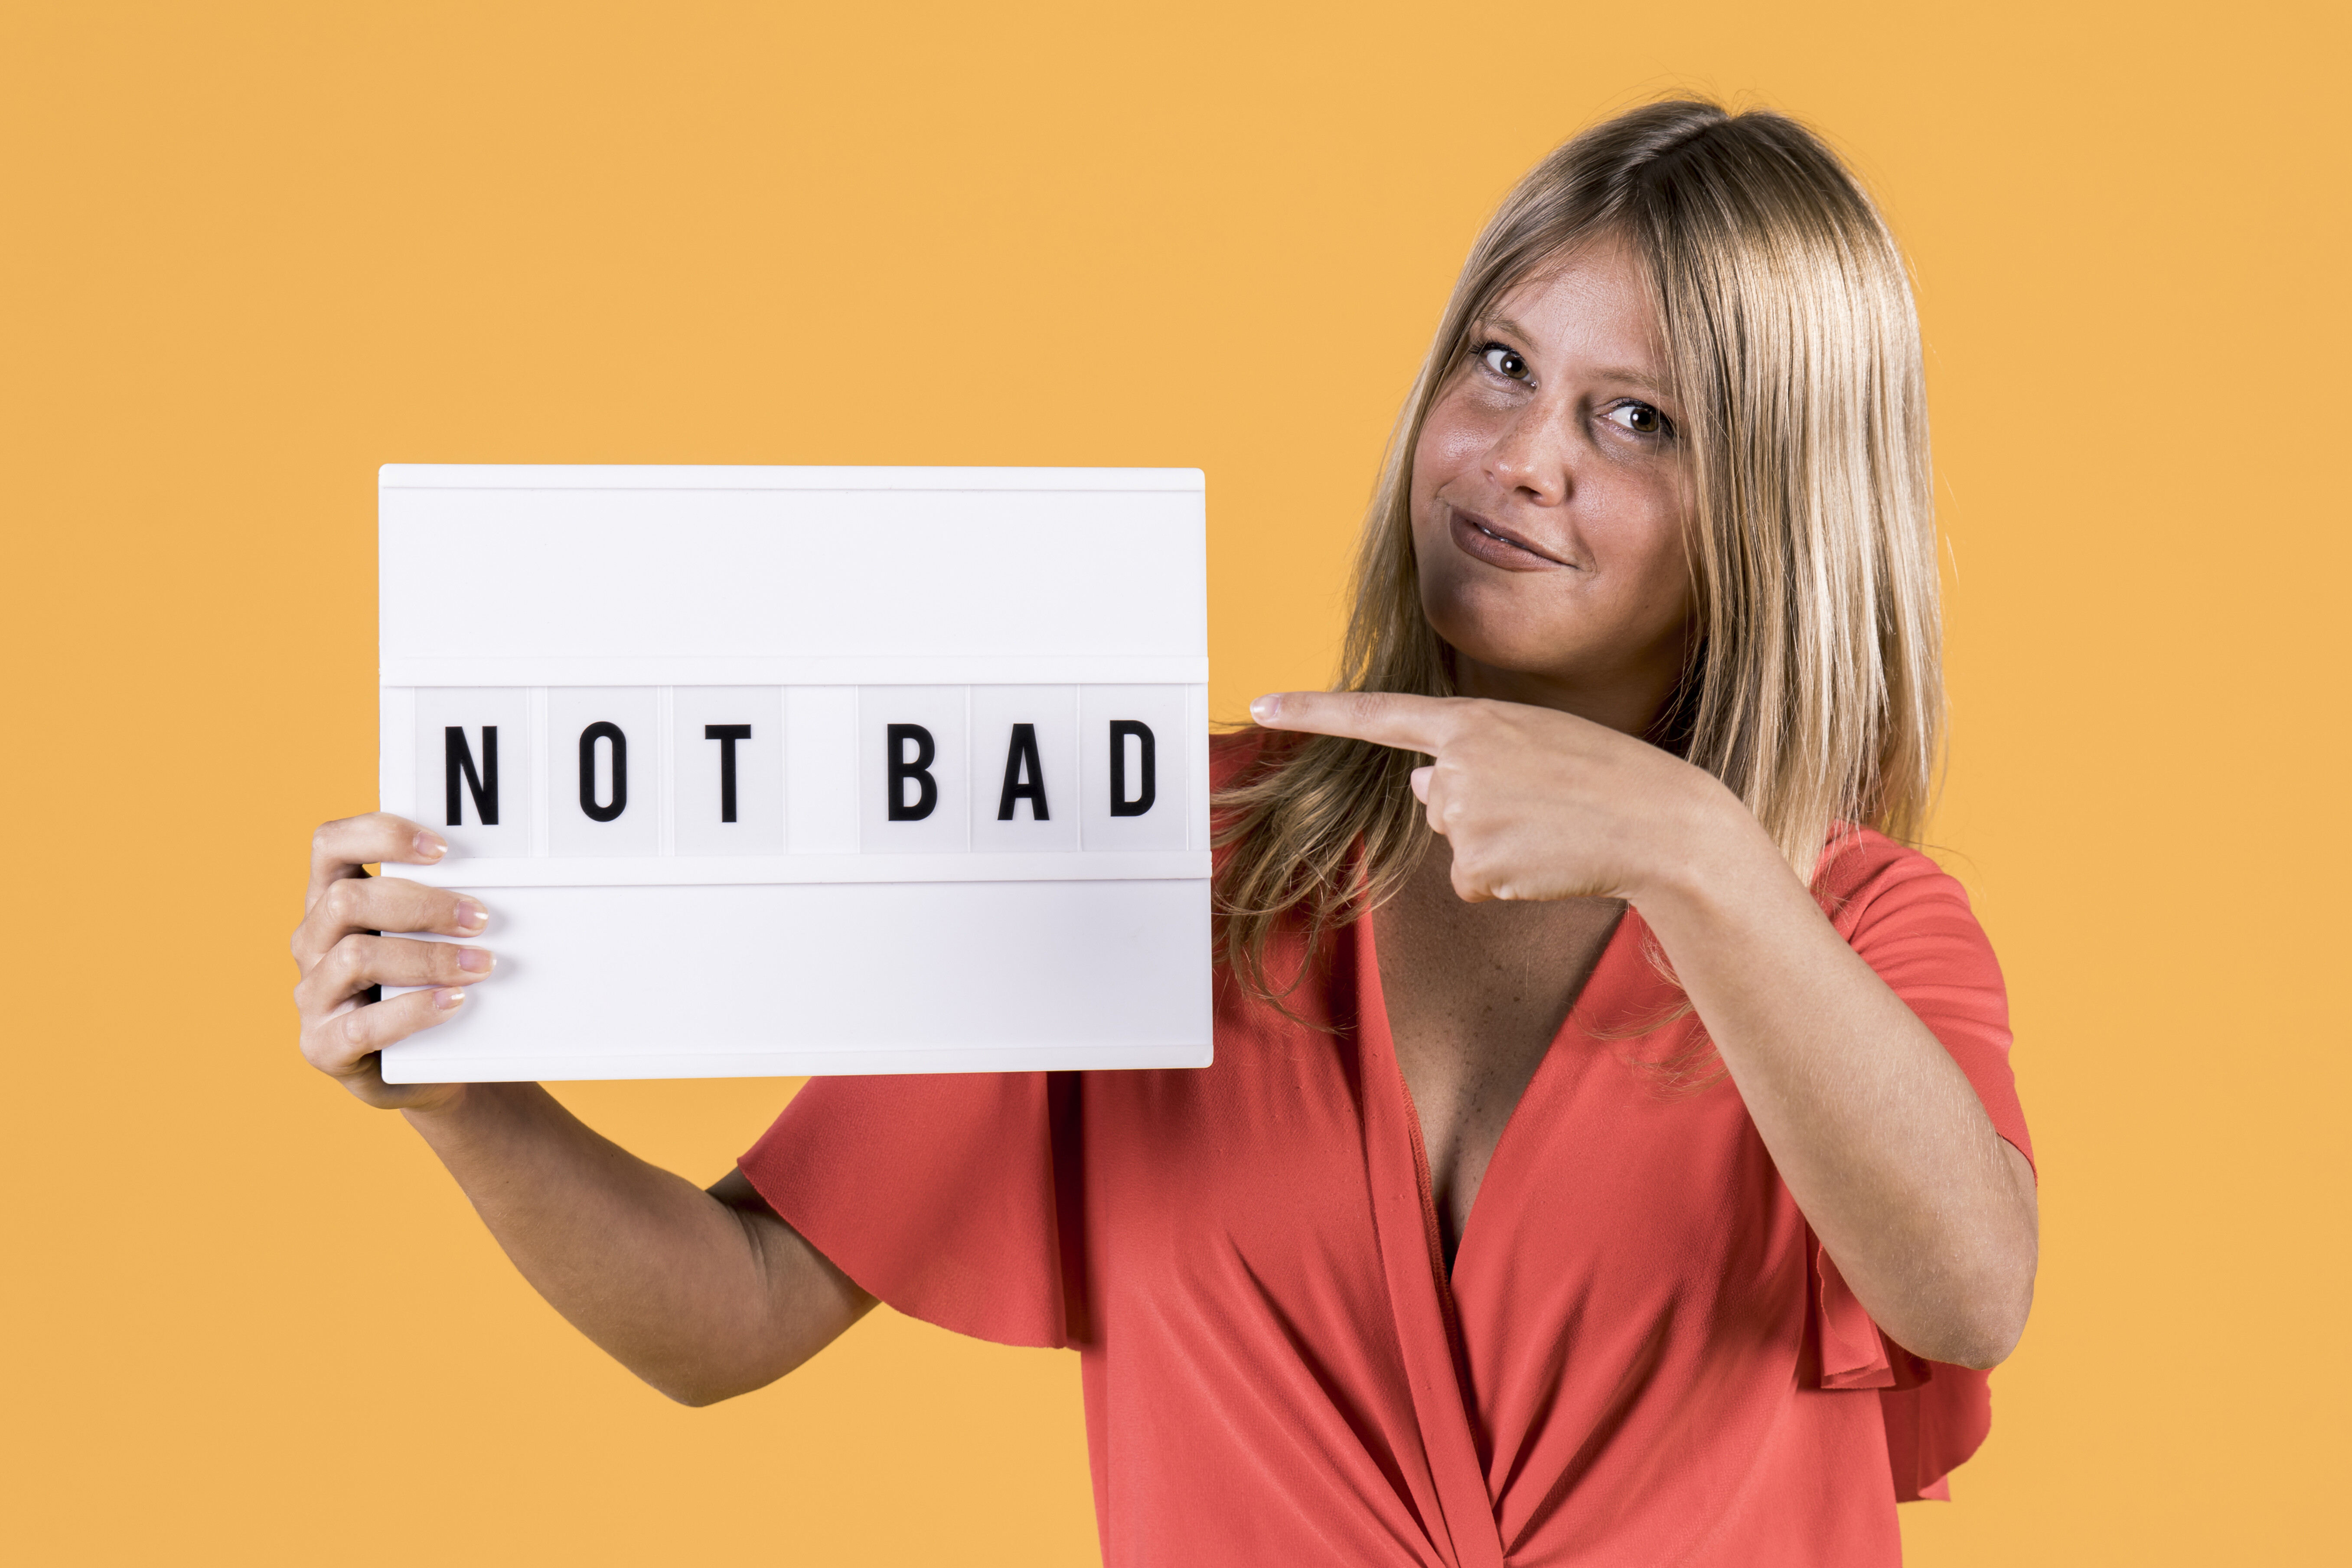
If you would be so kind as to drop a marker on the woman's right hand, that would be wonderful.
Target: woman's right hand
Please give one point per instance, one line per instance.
(704, 1295)
(343, 955)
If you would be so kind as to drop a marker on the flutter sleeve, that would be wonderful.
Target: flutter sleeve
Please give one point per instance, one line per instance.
(1911, 924)
(956, 1198)
(934, 1192)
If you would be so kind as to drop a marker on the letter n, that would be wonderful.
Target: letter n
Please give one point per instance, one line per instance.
(458, 761)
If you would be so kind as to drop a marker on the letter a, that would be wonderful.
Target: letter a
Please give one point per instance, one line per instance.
(1024, 777)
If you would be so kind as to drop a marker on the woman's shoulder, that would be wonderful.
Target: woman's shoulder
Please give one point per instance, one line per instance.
(1868, 880)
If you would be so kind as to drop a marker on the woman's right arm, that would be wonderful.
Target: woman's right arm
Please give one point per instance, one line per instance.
(703, 1294)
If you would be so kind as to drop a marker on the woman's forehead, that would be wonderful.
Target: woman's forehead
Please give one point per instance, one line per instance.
(1592, 299)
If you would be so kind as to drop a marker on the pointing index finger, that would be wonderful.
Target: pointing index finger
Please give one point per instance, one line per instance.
(1385, 718)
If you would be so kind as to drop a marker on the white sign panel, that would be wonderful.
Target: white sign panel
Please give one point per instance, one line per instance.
(781, 771)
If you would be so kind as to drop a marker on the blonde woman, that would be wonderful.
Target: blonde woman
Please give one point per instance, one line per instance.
(1610, 1154)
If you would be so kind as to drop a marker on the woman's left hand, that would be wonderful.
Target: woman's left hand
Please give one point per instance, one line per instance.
(1535, 803)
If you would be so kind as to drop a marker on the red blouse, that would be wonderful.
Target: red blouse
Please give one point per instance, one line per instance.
(1642, 1355)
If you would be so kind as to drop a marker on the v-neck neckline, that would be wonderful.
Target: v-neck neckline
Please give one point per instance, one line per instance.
(1443, 1268)
(1454, 1441)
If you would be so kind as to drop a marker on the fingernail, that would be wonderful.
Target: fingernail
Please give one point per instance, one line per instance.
(449, 996)
(471, 916)
(474, 959)
(430, 846)
(1264, 709)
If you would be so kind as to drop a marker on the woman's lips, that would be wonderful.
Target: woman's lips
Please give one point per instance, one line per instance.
(1475, 536)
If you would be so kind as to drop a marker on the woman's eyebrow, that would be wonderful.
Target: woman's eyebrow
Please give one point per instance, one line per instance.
(1639, 378)
(1628, 375)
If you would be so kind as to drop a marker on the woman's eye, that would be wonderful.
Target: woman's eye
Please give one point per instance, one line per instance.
(1639, 417)
(1504, 362)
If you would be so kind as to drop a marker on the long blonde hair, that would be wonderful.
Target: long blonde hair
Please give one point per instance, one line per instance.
(1813, 686)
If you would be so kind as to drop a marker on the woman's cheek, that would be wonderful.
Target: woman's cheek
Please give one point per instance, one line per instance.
(1449, 436)
(1440, 593)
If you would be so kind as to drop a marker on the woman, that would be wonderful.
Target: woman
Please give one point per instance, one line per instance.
(1610, 1154)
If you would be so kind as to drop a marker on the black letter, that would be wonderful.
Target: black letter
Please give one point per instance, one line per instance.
(727, 735)
(926, 788)
(602, 731)
(1021, 756)
(1120, 729)
(458, 758)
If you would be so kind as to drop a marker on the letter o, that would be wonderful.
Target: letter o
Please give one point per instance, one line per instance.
(603, 730)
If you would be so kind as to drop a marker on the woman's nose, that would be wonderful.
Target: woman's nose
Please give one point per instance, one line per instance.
(1531, 456)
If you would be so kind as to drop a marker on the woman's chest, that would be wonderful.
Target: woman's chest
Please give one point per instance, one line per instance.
(1282, 1179)
(1473, 996)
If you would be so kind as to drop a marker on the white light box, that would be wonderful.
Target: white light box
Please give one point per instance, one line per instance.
(782, 770)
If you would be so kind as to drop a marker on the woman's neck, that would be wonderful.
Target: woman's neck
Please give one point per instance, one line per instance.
(1628, 701)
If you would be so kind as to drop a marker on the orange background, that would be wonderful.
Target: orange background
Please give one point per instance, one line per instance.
(254, 251)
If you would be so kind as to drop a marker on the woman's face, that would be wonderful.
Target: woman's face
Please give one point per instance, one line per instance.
(1549, 498)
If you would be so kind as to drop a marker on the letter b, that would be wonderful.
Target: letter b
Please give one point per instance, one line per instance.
(915, 769)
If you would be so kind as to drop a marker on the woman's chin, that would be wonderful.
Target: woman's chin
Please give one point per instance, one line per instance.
(1506, 646)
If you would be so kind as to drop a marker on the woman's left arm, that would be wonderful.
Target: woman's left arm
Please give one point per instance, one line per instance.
(1929, 1213)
